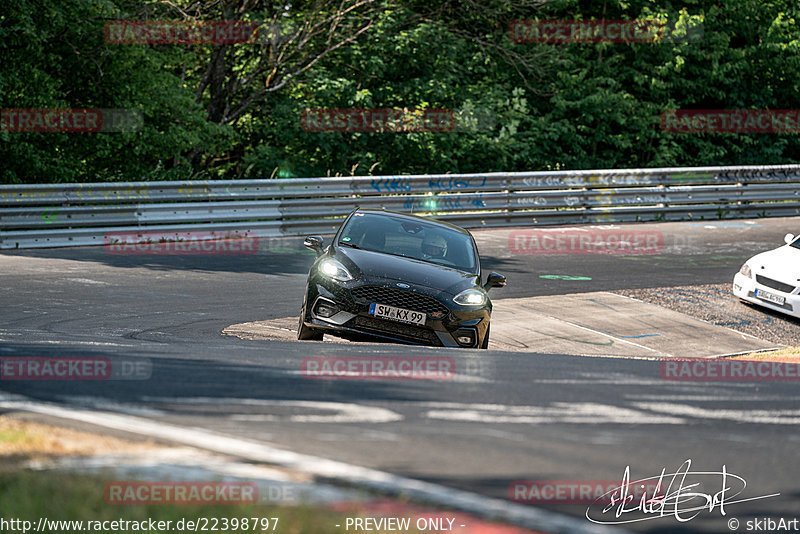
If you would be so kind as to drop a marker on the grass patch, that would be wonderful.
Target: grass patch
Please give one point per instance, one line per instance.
(68, 496)
(25, 440)
(64, 498)
(55, 495)
(11, 437)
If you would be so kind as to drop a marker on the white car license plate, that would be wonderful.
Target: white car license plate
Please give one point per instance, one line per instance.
(396, 314)
(770, 297)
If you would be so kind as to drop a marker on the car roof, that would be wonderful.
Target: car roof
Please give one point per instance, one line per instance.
(413, 218)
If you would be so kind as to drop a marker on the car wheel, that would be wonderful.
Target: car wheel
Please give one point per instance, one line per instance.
(485, 344)
(305, 333)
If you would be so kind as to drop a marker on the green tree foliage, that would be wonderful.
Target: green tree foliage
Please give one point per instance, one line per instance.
(234, 111)
(55, 57)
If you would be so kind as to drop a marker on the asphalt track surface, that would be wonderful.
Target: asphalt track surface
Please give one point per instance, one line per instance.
(511, 416)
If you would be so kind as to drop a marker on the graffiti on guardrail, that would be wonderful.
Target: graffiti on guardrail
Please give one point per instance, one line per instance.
(588, 180)
(721, 176)
(452, 183)
(498, 199)
(532, 201)
(613, 198)
(544, 201)
(62, 194)
(390, 184)
(398, 184)
(444, 203)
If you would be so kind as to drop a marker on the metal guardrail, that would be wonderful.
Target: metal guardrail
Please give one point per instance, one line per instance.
(57, 215)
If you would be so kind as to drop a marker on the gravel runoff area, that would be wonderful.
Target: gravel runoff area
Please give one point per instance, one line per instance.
(716, 304)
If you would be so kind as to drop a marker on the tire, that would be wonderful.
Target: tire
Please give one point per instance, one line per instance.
(305, 333)
(485, 344)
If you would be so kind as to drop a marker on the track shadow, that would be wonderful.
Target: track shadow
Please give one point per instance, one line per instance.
(274, 255)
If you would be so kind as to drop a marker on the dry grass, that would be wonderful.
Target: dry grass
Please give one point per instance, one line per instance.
(71, 495)
(788, 355)
(22, 440)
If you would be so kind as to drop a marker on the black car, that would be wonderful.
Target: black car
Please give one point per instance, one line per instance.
(401, 278)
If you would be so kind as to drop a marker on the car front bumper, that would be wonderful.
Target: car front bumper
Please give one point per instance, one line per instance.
(745, 288)
(347, 316)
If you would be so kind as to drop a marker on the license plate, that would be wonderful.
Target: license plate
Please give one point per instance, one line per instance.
(396, 314)
(770, 297)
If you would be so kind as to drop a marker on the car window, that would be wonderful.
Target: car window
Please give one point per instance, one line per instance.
(795, 243)
(419, 240)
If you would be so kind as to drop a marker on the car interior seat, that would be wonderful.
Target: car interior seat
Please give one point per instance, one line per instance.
(374, 238)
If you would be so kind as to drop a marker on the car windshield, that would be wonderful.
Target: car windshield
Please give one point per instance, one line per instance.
(796, 242)
(419, 240)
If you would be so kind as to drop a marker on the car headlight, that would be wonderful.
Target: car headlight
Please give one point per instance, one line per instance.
(470, 297)
(334, 269)
(745, 270)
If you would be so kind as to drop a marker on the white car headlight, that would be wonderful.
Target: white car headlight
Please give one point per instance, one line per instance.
(334, 269)
(470, 297)
(745, 270)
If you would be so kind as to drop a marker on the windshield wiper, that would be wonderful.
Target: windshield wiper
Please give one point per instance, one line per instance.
(351, 245)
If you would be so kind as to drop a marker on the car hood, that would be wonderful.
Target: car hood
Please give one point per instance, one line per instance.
(370, 265)
(782, 264)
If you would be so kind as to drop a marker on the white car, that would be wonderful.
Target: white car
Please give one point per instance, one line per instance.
(772, 279)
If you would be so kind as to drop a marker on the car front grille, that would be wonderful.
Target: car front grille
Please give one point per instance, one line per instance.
(400, 299)
(774, 284)
(401, 330)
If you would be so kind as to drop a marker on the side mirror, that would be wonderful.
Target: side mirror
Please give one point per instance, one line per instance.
(494, 280)
(788, 238)
(314, 242)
